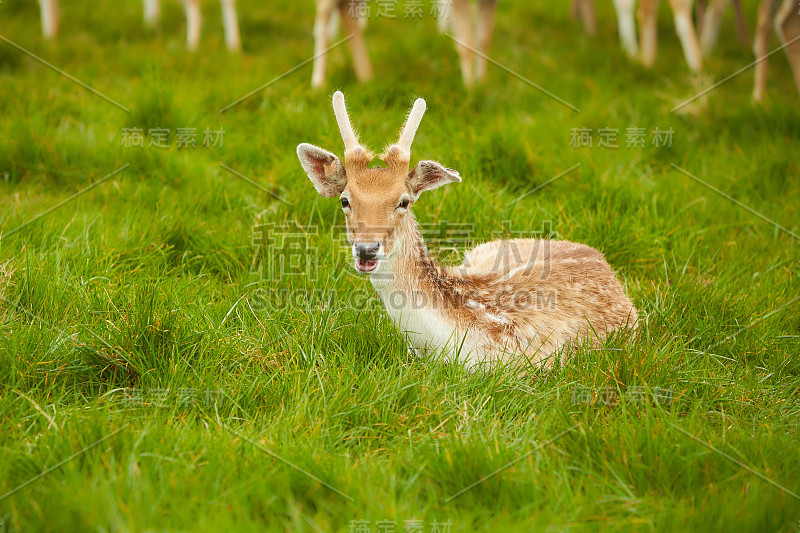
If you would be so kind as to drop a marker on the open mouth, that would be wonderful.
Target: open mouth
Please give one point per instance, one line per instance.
(366, 265)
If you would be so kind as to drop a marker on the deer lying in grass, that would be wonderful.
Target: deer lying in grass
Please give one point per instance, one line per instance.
(488, 309)
(473, 65)
(152, 12)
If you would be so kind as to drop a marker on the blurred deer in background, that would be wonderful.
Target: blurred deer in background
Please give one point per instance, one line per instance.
(50, 17)
(325, 27)
(786, 22)
(152, 13)
(513, 300)
(584, 10)
(709, 17)
(648, 25)
(648, 22)
(472, 34)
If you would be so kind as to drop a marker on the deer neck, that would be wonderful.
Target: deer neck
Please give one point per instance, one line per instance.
(421, 297)
(408, 269)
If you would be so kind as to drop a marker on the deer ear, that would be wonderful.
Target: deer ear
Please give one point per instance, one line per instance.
(429, 175)
(324, 169)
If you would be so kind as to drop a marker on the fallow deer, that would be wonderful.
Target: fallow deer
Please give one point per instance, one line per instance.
(471, 36)
(152, 12)
(510, 301)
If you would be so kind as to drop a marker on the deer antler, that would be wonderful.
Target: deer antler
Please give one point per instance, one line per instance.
(410, 128)
(399, 154)
(340, 110)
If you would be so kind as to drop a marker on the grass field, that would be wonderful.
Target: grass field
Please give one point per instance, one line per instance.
(169, 361)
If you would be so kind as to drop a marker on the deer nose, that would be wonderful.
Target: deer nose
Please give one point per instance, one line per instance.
(367, 251)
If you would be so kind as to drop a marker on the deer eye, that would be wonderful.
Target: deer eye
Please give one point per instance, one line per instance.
(404, 203)
(345, 203)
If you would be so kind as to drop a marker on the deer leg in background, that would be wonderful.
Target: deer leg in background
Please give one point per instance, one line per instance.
(787, 26)
(152, 12)
(588, 16)
(648, 30)
(324, 12)
(682, 11)
(741, 23)
(231, 22)
(760, 49)
(627, 26)
(49, 17)
(486, 10)
(358, 47)
(709, 30)
(462, 27)
(699, 14)
(193, 22)
(584, 10)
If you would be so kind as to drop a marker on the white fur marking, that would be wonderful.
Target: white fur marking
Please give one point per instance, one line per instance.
(472, 304)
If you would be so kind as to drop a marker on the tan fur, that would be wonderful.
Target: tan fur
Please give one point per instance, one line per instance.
(509, 301)
(530, 300)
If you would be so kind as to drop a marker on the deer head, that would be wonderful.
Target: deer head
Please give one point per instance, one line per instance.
(376, 200)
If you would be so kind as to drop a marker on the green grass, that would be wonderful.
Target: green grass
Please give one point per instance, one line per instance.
(133, 313)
